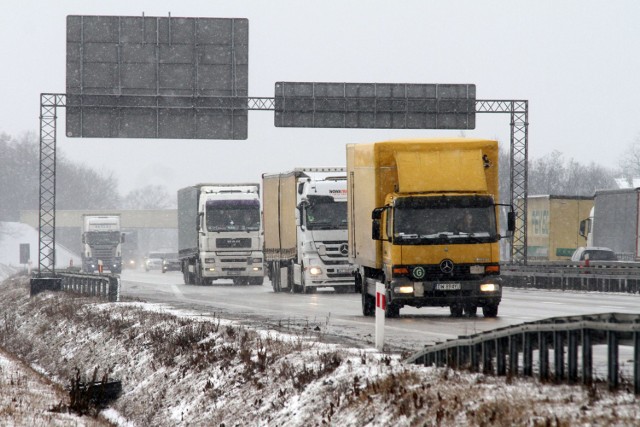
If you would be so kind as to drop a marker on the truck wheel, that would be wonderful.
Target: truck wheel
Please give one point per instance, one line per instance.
(456, 310)
(275, 276)
(198, 274)
(368, 303)
(490, 310)
(392, 311)
(470, 310)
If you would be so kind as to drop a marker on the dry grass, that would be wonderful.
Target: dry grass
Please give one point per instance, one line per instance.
(207, 371)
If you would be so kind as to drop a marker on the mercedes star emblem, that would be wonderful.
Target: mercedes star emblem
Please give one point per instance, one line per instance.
(446, 266)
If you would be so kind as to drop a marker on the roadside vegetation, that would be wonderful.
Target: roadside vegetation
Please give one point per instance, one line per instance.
(180, 368)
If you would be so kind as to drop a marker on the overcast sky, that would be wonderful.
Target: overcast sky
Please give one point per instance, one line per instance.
(577, 62)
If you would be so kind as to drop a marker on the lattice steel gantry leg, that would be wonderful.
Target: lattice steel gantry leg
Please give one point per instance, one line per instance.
(519, 112)
(47, 225)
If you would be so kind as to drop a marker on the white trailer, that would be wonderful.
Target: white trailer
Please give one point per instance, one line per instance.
(305, 230)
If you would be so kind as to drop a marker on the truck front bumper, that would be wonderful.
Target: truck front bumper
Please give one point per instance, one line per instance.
(231, 268)
(480, 293)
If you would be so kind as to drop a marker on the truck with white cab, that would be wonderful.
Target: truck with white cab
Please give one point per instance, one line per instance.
(101, 243)
(305, 230)
(220, 233)
(423, 220)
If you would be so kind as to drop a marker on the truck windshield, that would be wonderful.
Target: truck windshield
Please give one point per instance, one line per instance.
(445, 219)
(233, 215)
(102, 237)
(323, 213)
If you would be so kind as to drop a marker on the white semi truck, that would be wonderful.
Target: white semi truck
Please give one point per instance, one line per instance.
(101, 243)
(305, 230)
(220, 233)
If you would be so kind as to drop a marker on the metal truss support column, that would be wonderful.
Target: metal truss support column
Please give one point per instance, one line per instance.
(519, 121)
(47, 207)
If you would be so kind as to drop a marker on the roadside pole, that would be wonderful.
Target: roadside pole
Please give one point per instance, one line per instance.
(381, 306)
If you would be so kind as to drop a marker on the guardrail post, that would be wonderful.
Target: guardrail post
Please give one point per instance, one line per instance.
(513, 355)
(501, 357)
(587, 357)
(543, 359)
(558, 355)
(474, 358)
(487, 367)
(527, 354)
(636, 362)
(572, 356)
(612, 352)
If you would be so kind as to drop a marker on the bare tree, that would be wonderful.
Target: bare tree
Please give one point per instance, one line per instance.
(630, 160)
(149, 197)
(552, 175)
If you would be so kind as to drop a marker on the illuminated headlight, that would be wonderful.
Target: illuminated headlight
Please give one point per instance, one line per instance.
(256, 268)
(209, 260)
(256, 260)
(212, 269)
(132, 261)
(489, 287)
(403, 289)
(314, 271)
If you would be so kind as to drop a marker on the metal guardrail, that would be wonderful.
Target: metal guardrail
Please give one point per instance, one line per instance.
(105, 286)
(499, 351)
(563, 275)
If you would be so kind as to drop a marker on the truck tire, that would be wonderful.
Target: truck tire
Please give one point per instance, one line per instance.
(456, 310)
(392, 311)
(490, 310)
(256, 281)
(470, 310)
(368, 303)
(275, 276)
(198, 281)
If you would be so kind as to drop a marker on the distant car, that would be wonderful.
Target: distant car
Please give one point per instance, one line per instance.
(153, 261)
(171, 262)
(594, 253)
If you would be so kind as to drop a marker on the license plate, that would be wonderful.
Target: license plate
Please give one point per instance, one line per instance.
(233, 273)
(447, 286)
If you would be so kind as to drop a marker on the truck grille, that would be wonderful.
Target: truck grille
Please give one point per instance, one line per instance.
(336, 249)
(240, 242)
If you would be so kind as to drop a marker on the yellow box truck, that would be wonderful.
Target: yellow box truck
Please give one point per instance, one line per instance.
(553, 226)
(422, 218)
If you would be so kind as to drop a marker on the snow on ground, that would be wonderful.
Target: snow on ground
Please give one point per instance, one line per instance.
(12, 234)
(180, 369)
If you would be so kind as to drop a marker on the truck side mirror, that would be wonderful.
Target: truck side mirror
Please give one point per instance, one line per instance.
(511, 221)
(376, 215)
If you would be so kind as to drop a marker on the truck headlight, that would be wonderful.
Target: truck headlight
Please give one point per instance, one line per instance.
(403, 289)
(314, 271)
(489, 287)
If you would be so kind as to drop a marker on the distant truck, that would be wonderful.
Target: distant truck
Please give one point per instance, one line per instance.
(423, 221)
(615, 222)
(552, 226)
(305, 230)
(101, 243)
(219, 233)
